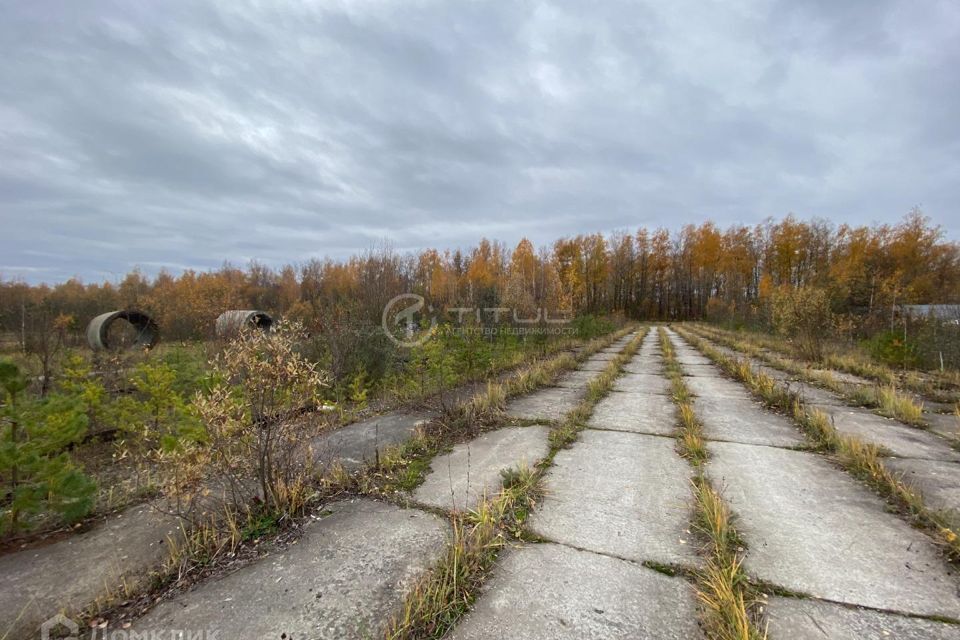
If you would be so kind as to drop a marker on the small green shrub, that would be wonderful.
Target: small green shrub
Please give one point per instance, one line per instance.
(891, 348)
(359, 388)
(260, 522)
(78, 381)
(189, 364)
(37, 473)
(590, 326)
(155, 413)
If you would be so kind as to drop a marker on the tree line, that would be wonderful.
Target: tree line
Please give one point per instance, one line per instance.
(699, 271)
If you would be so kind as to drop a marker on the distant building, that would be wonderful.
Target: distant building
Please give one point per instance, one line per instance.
(946, 312)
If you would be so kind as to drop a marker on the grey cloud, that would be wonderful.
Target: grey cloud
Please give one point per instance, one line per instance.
(187, 134)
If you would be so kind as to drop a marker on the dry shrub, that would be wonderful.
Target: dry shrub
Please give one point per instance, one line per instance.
(251, 443)
(803, 315)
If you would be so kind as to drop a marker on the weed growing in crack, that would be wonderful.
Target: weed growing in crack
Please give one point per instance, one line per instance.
(894, 404)
(885, 398)
(729, 603)
(862, 460)
(566, 433)
(442, 596)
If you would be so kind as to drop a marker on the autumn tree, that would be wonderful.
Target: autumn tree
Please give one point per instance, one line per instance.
(867, 271)
(520, 291)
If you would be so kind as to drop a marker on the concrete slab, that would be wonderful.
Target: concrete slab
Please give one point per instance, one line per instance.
(621, 494)
(651, 339)
(712, 386)
(550, 404)
(933, 406)
(811, 394)
(356, 445)
(459, 479)
(734, 419)
(938, 482)
(901, 440)
(594, 365)
(552, 592)
(72, 573)
(946, 425)
(702, 370)
(680, 346)
(844, 377)
(815, 620)
(649, 413)
(343, 579)
(685, 353)
(774, 373)
(601, 357)
(640, 365)
(811, 528)
(578, 379)
(642, 383)
(730, 353)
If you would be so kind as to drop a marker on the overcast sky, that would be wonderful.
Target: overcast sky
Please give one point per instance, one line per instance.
(183, 134)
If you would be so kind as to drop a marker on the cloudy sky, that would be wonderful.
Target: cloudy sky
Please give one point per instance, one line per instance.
(182, 134)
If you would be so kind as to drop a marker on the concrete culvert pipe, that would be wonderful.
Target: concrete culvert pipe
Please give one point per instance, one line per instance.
(124, 329)
(231, 322)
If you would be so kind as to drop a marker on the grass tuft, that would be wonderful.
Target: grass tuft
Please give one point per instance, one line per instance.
(439, 598)
(894, 404)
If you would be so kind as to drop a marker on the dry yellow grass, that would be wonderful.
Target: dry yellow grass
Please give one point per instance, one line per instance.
(728, 603)
(862, 460)
(438, 599)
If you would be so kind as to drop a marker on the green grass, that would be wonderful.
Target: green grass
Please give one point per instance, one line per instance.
(259, 526)
(724, 591)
